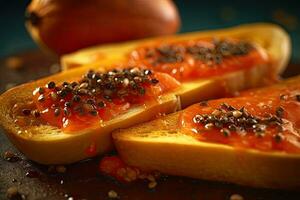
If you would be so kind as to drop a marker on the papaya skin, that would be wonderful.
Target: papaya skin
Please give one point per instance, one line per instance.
(64, 26)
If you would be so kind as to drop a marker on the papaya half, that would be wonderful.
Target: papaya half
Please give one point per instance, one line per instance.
(64, 26)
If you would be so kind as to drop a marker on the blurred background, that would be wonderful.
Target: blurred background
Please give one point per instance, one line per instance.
(195, 15)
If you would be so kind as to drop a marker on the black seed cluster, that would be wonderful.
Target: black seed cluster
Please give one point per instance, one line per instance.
(170, 54)
(95, 88)
(229, 119)
(221, 49)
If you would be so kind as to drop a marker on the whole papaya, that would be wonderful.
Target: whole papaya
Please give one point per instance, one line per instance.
(64, 26)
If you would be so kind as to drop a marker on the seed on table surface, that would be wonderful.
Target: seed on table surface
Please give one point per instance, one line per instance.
(236, 197)
(112, 194)
(152, 184)
(13, 193)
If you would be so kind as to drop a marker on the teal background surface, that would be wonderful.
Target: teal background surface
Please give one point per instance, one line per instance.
(195, 15)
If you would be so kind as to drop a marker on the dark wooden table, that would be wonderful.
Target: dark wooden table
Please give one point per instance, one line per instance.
(82, 180)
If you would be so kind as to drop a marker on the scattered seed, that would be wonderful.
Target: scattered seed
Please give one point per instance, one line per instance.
(298, 97)
(125, 82)
(197, 118)
(36, 113)
(225, 106)
(112, 194)
(51, 85)
(152, 184)
(32, 174)
(225, 131)
(56, 112)
(279, 112)
(216, 112)
(41, 90)
(26, 112)
(154, 81)
(101, 104)
(13, 193)
(62, 93)
(73, 84)
(232, 127)
(147, 72)
(137, 79)
(83, 85)
(94, 112)
(66, 111)
(68, 104)
(236, 197)
(41, 98)
(107, 97)
(237, 114)
(10, 156)
(277, 138)
(90, 101)
(209, 126)
(76, 98)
